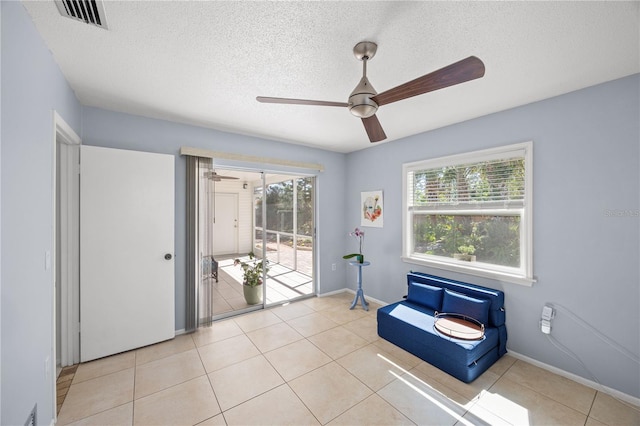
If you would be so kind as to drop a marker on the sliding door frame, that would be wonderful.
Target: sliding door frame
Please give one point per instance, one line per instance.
(294, 176)
(308, 173)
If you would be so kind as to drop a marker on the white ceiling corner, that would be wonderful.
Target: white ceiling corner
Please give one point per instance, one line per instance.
(204, 62)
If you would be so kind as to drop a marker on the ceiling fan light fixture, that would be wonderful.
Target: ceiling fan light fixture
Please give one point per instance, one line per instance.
(363, 110)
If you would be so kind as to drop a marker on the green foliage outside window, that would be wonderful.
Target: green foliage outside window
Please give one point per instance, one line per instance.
(280, 210)
(472, 189)
(492, 239)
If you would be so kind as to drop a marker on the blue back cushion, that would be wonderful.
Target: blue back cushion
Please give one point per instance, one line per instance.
(458, 303)
(495, 297)
(425, 295)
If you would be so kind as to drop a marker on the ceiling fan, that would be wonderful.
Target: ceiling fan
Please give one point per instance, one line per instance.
(364, 100)
(216, 177)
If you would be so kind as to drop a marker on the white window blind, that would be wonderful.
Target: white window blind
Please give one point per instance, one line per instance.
(486, 184)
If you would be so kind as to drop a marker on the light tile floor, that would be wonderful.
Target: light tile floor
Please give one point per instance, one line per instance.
(317, 362)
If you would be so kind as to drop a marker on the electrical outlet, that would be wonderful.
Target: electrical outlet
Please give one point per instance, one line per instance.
(545, 319)
(545, 326)
(47, 260)
(333, 266)
(547, 313)
(47, 368)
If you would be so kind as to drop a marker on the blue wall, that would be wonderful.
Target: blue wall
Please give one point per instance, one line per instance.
(32, 87)
(124, 131)
(586, 163)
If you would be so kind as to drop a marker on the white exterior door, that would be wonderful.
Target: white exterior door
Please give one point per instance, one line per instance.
(126, 250)
(225, 229)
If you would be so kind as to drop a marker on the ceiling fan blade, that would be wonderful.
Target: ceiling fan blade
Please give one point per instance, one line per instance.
(456, 73)
(374, 129)
(268, 100)
(216, 177)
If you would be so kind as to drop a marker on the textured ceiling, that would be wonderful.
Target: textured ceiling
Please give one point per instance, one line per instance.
(203, 63)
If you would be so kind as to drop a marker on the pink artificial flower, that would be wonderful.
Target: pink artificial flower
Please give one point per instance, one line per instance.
(360, 234)
(357, 233)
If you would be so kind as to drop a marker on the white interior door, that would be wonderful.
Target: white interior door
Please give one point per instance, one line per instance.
(225, 228)
(126, 250)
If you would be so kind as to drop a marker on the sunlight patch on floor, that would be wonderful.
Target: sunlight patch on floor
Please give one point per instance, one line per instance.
(509, 410)
(492, 403)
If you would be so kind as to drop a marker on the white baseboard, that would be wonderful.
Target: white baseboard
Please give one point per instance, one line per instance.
(369, 298)
(348, 290)
(331, 293)
(593, 385)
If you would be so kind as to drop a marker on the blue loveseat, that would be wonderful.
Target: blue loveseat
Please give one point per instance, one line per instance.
(409, 324)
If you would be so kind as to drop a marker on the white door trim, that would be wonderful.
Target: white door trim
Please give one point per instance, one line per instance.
(66, 139)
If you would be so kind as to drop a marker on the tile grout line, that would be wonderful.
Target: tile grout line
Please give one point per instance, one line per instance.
(493, 384)
(286, 382)
(548, 396)
(260, 354)
(209, 381)
(504, 376)
(335, 360)
(173, 385)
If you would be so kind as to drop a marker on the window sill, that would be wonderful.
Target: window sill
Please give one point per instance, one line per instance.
(470, 270)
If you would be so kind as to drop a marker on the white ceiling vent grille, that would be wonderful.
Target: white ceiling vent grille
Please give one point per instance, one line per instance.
(88, 11)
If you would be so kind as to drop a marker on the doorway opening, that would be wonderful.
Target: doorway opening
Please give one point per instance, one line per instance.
(66, 251)
(271, 216)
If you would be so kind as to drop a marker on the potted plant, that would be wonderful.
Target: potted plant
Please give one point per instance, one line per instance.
(466, 253)
(253, 270)
(358, 233)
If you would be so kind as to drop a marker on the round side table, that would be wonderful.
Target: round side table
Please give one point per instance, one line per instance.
(359, 292)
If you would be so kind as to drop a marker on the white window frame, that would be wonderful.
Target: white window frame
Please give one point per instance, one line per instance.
(522, 275)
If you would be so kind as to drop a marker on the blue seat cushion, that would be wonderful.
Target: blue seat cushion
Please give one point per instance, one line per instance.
(410, 326)
(458, 303)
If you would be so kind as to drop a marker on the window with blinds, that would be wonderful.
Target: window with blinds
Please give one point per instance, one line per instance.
(471, 212)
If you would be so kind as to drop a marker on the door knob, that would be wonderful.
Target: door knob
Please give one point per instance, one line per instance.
(167, 256)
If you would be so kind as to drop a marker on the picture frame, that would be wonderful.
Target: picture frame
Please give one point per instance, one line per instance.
(372, 209)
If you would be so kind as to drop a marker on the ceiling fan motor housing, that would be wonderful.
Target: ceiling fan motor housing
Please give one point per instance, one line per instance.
(360, 102)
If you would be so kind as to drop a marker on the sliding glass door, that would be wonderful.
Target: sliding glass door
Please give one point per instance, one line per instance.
(244, 213)
(284, 217)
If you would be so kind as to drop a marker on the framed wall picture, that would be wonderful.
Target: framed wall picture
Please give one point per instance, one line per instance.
(372, 209)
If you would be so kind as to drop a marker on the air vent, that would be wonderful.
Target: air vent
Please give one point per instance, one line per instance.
(32, 420)
(88, 11)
